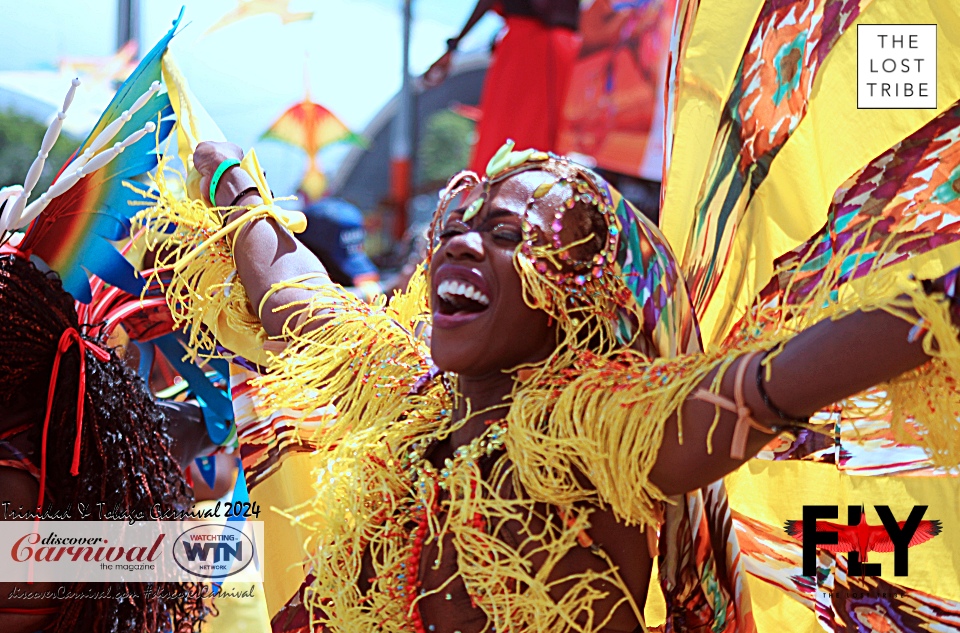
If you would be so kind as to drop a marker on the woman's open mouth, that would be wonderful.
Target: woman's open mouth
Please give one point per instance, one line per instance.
(458, 296)
(458, 301)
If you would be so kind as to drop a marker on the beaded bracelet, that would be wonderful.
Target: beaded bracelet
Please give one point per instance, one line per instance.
(786, 417)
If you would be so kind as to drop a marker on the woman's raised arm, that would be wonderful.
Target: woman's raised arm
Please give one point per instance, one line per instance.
(819, 366)
(265, 253)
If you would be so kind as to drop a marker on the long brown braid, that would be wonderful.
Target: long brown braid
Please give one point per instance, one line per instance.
(125, 448)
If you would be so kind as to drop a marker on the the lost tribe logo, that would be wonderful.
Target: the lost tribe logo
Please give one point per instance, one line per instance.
(896, 66)
(858, 538)
(213, 551)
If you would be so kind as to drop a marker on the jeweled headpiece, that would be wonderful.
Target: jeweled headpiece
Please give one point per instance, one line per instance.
(615, 282)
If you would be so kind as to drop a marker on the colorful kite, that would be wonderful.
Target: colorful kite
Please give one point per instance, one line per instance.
(102, 70)
(311, 127)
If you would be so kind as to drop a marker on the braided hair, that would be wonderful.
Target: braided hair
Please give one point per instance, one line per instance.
(125, 448)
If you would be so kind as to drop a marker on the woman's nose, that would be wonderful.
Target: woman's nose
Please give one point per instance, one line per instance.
(468, 245)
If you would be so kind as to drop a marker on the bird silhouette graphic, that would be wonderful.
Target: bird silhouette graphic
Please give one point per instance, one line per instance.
(863, 538)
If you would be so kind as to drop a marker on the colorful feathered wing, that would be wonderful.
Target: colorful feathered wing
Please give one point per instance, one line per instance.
(73, 234)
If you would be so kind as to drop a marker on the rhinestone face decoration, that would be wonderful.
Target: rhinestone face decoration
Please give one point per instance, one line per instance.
(574, 281)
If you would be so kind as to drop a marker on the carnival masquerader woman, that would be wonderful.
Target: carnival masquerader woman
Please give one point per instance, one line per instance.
(510, 476)
(117, 450)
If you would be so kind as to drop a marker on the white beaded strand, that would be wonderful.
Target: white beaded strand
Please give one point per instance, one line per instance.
(33, 175)
(19, 214)
(70, 178)
(107, 134)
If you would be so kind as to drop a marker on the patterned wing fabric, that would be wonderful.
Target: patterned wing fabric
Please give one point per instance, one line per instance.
(785, 135)
(902, 205)
(771, 88)
(769, 166)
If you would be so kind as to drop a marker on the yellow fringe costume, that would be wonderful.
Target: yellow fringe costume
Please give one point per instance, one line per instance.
(597, 410)
(784, 146)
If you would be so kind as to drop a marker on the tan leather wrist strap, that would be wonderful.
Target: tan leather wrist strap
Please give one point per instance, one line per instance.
(745, 421)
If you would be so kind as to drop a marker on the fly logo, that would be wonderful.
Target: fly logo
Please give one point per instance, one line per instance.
(858, 538)
(213, 550)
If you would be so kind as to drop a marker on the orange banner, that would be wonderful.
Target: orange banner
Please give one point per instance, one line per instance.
(614, 109)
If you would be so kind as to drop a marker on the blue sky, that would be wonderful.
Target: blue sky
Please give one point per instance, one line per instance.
(246, 74)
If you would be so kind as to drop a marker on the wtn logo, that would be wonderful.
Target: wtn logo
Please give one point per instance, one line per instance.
(214, 551)
(221, 551)
(858, 538)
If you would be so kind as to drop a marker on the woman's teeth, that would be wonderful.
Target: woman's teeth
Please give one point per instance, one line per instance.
(449, 289)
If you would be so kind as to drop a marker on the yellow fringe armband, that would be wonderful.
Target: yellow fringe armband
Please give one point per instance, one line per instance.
(925, 403)
(204, 295)
(294, 282)
(295, 221)
(604, 415)
(364, 358)
(607, 424)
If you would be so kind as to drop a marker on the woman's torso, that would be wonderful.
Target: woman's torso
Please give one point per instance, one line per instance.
(470, 572)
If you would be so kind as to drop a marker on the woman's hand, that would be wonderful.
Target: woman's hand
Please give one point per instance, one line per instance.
(206, 158)
(438, 72)
(187, 430)
(266, 253)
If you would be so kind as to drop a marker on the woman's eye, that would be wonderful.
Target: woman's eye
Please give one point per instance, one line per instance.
(452, 230)
(507, 233)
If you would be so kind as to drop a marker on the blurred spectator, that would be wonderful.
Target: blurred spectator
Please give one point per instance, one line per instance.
(526, 84)
(415, 247)
(336, 235)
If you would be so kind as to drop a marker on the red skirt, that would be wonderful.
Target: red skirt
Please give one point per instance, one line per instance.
(525, 87)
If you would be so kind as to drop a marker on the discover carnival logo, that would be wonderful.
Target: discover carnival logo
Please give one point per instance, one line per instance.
(213, 550)
(144, 551)
(52, 548)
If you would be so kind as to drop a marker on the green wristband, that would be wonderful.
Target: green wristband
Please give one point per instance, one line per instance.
(221, 169)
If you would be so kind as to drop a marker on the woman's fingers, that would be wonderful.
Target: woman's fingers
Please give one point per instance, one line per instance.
(437, 72)
(207, 157)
